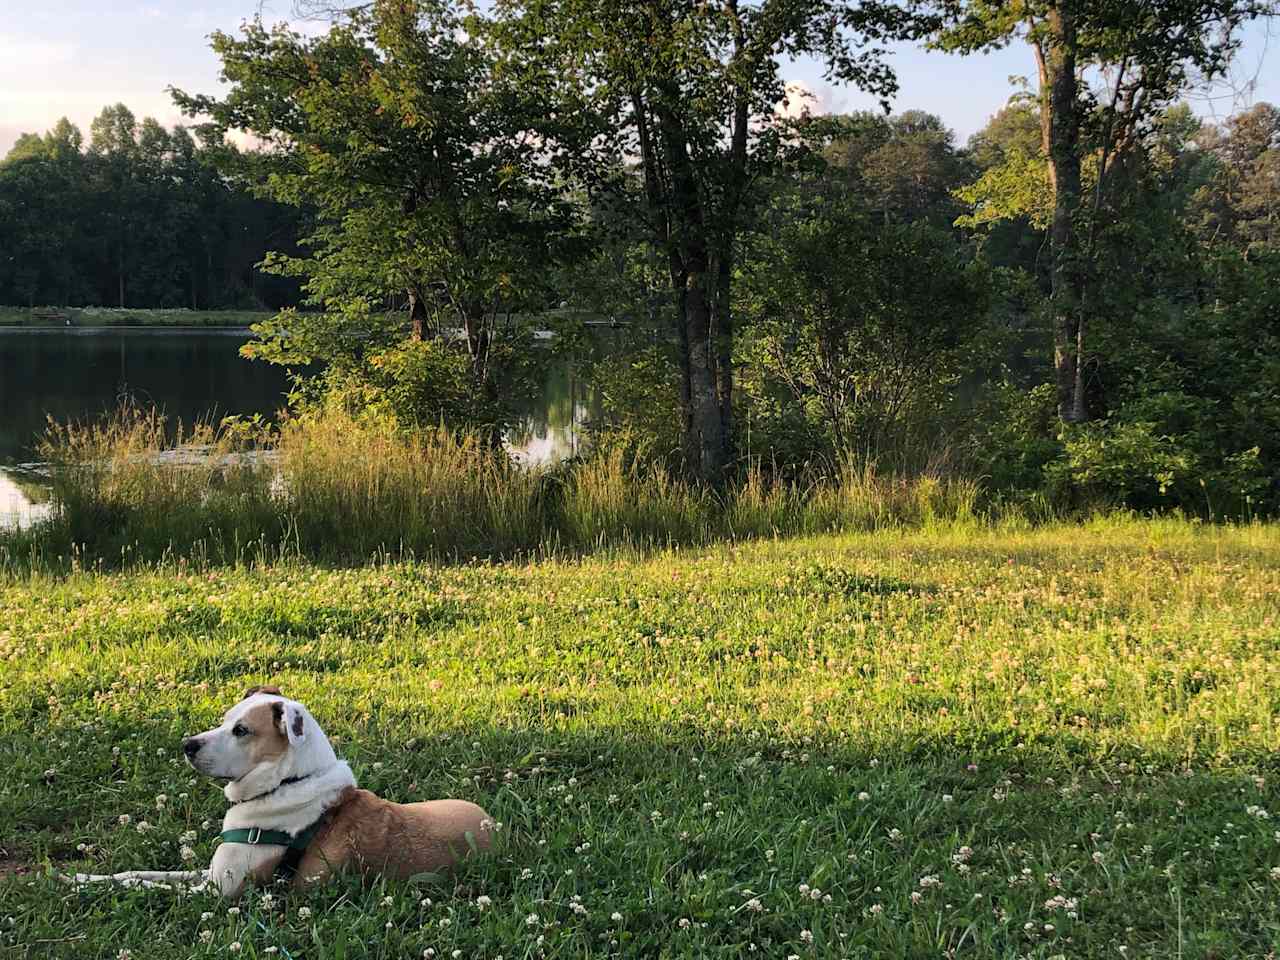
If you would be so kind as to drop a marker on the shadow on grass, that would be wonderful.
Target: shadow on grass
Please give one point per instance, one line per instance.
(700, 845)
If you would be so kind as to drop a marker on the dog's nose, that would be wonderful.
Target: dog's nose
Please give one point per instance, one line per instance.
(191, 746)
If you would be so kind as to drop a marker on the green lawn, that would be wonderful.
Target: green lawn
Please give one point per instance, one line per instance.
(969, 743)
(110, 317)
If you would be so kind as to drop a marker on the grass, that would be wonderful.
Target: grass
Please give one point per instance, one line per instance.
(954, 742)
(126, 317)
(133, 489)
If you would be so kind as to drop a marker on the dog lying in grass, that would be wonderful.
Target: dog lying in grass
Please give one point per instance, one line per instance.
(296, 812)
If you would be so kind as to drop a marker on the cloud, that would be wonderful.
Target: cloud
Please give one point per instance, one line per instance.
(801, 98)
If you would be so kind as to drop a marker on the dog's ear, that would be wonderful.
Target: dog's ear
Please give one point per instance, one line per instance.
(275, 691)
(293, 720)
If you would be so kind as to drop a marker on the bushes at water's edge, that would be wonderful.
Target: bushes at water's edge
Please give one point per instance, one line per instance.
(335, 489)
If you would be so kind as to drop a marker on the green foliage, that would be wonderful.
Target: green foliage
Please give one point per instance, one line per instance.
(1017, 188)
(868, 326)
(1127, 462)
(141, 219)
(436, 212)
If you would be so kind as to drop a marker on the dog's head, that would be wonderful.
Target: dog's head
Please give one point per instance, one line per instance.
(263, 740)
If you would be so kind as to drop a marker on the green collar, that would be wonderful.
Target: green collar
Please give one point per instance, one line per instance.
(278, 838)
(296, 846)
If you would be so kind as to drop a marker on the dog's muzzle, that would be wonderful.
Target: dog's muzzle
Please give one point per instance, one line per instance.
(191, 746)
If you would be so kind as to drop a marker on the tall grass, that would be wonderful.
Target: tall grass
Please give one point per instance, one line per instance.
(130, 485)
(340, 489)
(352, 488)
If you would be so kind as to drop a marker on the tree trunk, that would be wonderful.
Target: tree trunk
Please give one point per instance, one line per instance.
(705, 437)
(1060, 133)
(722, 337)
(417, 316)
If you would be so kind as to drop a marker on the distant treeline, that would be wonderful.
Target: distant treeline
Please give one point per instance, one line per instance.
(141, 217)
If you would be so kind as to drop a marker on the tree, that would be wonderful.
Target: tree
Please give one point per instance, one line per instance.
(865, 324)
(1242, 206)
(113, 148)
(427, 186)
(688, 91)
(1143, 55)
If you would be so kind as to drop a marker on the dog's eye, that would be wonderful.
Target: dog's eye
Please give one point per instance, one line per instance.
(239, 730)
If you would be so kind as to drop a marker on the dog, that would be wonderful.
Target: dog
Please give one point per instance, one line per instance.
(297, 815)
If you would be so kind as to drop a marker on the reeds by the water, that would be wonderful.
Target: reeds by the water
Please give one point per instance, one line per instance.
(132, 488)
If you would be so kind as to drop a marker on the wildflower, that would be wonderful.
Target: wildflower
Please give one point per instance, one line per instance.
(481, 901)
(234, 946)
(895, 834)
(929, 881)
(124, 819)
(864, 796)
(578, 908)
(1097, 856)
(268, 901)
(754, 905)
(206, 917)
(616, 917)
(206, 936)
(189, 836)
(161, 801)
(428, 953)
(806, 936)
(233, 911)
(531, 920)
(684, 923)
(304, 913)
(1275, 873)
(876, 910)
(916, 896)
(124, 954)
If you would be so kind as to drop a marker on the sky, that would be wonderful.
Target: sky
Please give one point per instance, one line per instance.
(73, 57)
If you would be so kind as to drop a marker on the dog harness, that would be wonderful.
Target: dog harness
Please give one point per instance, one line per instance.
(296, 846)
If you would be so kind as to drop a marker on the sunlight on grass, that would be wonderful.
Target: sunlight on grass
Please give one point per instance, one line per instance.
(1022, 742)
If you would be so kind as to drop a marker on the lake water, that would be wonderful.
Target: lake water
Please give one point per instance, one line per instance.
(75, 374)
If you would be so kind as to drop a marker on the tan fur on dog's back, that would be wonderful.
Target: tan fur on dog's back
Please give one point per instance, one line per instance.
(370, 835)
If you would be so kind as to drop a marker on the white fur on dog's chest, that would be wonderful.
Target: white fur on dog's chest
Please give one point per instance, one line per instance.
(290, 808)
(234, 863)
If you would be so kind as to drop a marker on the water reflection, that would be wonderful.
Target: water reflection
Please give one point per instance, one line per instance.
(79, 374)
(24, 498)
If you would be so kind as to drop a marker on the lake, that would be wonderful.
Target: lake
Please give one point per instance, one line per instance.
(189, 374)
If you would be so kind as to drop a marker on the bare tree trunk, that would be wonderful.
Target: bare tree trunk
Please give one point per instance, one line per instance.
(722, 335)
(1060, 132)
(704, 430)
(417, 316)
